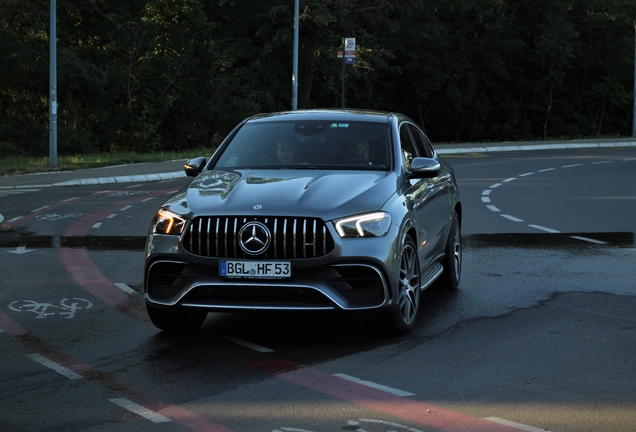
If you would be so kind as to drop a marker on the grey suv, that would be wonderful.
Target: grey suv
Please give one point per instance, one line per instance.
(310, 210)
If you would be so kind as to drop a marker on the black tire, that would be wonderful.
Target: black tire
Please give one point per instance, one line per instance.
(452, 262)
(176, 321)
(409, 292)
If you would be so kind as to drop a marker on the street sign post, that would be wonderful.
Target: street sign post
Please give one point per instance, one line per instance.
(348, 55)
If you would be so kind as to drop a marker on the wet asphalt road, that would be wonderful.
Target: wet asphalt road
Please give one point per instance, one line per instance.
(542, 332)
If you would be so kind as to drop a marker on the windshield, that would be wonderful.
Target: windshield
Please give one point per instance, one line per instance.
(309, 145)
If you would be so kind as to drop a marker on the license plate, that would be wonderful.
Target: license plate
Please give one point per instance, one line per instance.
(255, 269)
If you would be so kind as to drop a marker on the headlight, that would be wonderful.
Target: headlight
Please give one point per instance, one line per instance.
(366, 225)
(167, 222)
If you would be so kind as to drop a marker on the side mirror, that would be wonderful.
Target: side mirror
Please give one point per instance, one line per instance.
(425, 168)
(193, 167)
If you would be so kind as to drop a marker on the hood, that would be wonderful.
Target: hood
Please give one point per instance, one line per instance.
(324, 194)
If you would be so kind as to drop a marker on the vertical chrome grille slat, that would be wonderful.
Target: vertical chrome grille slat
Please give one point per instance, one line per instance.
(275, 237)
(294, 234)
(315, 238)
(304, 238)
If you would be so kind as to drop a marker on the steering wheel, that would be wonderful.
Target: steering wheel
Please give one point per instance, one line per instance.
(357, 161)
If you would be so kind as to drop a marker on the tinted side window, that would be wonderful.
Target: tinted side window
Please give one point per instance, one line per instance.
(407, 146)
(424, 147)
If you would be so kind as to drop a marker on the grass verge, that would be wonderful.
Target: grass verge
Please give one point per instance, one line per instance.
(13, 165)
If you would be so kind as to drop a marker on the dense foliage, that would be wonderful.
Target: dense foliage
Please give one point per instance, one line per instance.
(149, 75)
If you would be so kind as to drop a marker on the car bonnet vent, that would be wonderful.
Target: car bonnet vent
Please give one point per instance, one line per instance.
(290, 237)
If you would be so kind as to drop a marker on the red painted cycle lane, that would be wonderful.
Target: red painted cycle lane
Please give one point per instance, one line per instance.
(83, 270)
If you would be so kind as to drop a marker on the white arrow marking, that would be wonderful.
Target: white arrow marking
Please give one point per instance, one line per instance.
(21, 250)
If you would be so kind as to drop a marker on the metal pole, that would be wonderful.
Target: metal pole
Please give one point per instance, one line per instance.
(295, 69)
(343, 72)
(634, 106)
(53, 83)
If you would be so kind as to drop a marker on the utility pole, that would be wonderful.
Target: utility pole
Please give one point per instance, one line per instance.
(53, 89)
(295, 67)
(634, 106)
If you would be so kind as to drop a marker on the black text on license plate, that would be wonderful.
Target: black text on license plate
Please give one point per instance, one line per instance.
(255, 269)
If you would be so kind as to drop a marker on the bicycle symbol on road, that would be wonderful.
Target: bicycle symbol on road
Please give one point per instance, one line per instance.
(55, 216)
(43, 310)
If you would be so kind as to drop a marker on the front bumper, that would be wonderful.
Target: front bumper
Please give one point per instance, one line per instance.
(359, 274)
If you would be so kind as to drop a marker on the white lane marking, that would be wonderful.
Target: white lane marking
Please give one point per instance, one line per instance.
(601, 162)
(394, 391)
(508, 180)
(496, 185)
(15, 219)
(487, 192)
(5, 192)
(172, 192)
(246, 344)
(56, 367)
(586, 239)
(147, 199)
(125, 288)
(546, 170)
(542, 228)
(492, 208)
(70, 199)
(97, 225)
(125, 208)
(38, 209)
(140, 411)
(485, 199)
(512, 218)
(526, 174)
(111, 216)
(102, 192)
(572, 166)
(515, 425)
(630, 159)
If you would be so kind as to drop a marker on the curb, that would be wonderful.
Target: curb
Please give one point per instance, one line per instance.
(105, 180)
(531, 147)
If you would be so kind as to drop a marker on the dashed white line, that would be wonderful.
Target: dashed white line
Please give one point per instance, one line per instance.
(526, 174)
(15, 219)
(589, 240)
(147, 199)
(111, 216)
(125, 208)
(38, 209)
(496, 185)
(70, 199)
(125, 288)
(572, 166)
(493, 208)
(485, 199)
(394, 391)
(54, 366)
(601, 162)
(546, 170)
(97, 225)
(487, 192)
(512, 218)
(508, 180)
(140, 411)
(542, 228)
(246, 344)
(515, 425)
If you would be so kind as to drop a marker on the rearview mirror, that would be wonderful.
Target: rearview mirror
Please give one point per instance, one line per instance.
(193, 167)
(425, 167)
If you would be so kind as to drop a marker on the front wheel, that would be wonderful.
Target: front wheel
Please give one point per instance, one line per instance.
(409, 292)
(176, 321)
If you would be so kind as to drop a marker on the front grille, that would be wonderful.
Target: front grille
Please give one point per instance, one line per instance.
(218, 237)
